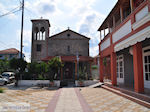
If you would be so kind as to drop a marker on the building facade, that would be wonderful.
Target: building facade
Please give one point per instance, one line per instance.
(126, 44)
(10, 54)
(70, 46)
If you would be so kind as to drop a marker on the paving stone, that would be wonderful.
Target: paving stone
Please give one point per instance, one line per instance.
(106, 101)
(34, 97)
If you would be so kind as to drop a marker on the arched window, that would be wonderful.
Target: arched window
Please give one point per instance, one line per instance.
(35, 33)
(43, 33)
(38, 36)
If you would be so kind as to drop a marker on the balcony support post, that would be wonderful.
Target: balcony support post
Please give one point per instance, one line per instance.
(114, 22)
(104, 33)
(100, 35)
(108, 27)
(132, 5)
(121, 13)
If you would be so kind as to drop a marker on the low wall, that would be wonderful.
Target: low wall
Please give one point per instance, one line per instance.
(87, 82)
(36, 82)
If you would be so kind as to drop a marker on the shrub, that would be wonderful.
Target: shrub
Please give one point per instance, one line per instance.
(40, 77)
(94, 67)
(1, 90)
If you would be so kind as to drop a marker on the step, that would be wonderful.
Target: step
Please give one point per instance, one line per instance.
(117, 91)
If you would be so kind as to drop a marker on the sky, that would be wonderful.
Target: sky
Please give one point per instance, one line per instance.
(82, 16)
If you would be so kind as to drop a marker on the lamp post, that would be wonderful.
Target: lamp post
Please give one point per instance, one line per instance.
(77, 55)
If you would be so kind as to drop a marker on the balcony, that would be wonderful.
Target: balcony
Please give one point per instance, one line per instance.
(125, 17)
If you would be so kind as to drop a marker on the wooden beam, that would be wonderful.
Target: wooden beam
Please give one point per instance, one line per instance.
(104, 32)
(114, 22)
(100, 35)
(121, 13)
(132, 5)
(108, 27)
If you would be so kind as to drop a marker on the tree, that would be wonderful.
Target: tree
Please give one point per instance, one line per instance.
(54, 65)
(4, 65)
(20, 64)
(37, 69)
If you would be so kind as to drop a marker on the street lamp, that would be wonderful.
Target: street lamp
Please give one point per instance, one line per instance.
(77, 55)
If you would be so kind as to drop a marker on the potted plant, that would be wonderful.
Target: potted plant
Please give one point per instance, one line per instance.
(51, 79)
(80, 82)
(82, 74)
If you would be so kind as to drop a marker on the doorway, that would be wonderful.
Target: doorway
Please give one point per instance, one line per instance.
(120, 69)
(146, 66)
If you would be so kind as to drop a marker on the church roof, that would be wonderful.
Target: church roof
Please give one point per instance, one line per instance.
(53, 36)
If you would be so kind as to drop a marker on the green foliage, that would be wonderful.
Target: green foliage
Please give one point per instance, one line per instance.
(18, 64)
(1, 90)
(105, 61)
(95, 67)
(82, 73)
(32, 68)
(40, 77)
(39, 69)
(54, 65)
(4, 65)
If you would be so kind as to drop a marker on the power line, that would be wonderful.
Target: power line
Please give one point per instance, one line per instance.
(11, 11)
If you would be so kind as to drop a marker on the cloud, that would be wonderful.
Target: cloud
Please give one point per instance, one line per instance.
(48, 8)
(26, 43)
(44, 8)
(88, 26)
(5, 9)
(94, 51)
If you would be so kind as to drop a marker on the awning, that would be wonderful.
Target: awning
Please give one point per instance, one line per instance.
(138, 37)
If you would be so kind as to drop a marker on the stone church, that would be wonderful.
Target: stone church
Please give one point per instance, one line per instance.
(70, 46)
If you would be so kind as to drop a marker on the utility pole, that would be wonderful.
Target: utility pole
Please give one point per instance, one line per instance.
(22, 20)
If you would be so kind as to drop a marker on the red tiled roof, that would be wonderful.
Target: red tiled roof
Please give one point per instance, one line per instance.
(70, 58)
(9, 51)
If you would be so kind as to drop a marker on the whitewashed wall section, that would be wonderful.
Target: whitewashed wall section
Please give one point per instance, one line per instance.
(105, 44)
(141, 13)
(123, 31)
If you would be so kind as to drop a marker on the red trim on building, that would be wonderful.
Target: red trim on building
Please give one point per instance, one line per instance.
(138, 68)
(113, 69)
(101, 69)
(105, 52)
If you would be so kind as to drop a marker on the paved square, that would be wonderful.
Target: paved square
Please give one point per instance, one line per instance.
(37, 98)
(101, 100)
(71, 100)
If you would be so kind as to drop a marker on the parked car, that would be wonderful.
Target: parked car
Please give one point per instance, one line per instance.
(3, 81)
(9, 76)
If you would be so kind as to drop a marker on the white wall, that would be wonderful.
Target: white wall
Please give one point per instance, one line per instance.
(87, 83)
(141, 13)
(36, 82)
(123, 31)
(105, 44)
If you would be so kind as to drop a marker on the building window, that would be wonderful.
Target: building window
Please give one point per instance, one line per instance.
(68, 35)
(38, 47)
(68, 48)
(11, 56)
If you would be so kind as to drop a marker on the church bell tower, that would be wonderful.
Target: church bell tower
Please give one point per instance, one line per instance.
(40, 35)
